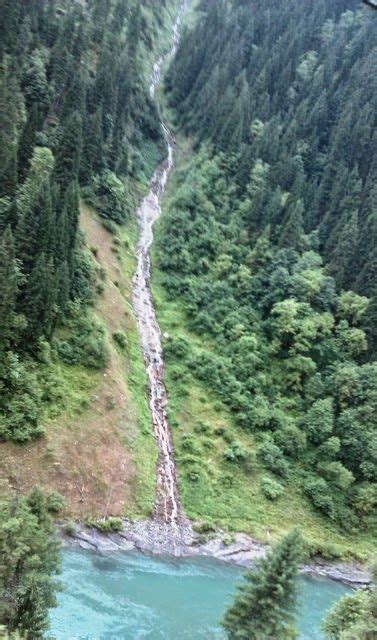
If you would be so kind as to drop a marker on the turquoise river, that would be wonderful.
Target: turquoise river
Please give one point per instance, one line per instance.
(132, 596)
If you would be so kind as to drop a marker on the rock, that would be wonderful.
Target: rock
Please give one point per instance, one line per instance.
(181, 541)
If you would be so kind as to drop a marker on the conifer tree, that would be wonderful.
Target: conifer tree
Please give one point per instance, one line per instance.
(26, 142)
(264, 607)
(28, 561)
(68, 155)
(9, 283)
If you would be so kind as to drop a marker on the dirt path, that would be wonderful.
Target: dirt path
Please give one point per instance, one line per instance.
(167, 507)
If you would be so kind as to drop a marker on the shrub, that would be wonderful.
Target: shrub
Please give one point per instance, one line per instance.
(318, 491)
(176, 348)
(271, 489)
(238, 454)
(120, 339)
(273, 459)
(86, 344)
(108, 525)
(20, 400)
(69, 529)
(109, 225)
(55, 502)
(204, 527)
(189, 444)
(290, 440)
(111, 198)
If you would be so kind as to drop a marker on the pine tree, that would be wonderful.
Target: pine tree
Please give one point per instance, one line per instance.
(293, 229)
(35, 230)
(264, 606)
(9, 282)
(8, 151)
(39, 299)
(29, 559)
(68, 155)
(26, 142)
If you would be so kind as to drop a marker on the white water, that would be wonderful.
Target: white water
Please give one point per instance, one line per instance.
(167, 504)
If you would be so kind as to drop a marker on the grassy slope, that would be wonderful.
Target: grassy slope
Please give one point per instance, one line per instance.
(223, 494)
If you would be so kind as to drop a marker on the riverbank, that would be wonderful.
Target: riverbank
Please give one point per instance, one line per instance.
(181, 541)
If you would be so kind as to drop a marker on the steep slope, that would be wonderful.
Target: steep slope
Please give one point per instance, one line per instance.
(77, 119)
(271, 381)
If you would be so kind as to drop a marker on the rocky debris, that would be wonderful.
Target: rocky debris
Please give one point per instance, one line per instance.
(353, 574)
(181, 541)
(167, 507)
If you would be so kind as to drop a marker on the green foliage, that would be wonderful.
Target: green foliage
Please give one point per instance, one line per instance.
(120, 338)
(109, 525)
(74, 109)
(108, 195)
(86, 344)
(55, 502)
(354, 616)
(271, 109)
(29, 559)
(19, 401)
(271, 489)
(265, 603)
(285, 348)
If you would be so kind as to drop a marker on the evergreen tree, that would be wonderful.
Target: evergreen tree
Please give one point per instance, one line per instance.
(264, 606)
(27, 142)
(68, 155)
(39, 299)
(9, 283)
(28, 561)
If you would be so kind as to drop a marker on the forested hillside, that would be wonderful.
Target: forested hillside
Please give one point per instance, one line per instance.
(75, 113)
(269, 243)
(79, 139)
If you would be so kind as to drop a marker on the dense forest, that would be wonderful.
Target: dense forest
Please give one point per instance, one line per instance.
(75, 117)
(270, 238)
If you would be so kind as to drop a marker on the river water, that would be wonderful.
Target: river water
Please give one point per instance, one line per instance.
(134, 597)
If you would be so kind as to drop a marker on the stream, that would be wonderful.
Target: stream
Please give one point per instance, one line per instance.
(167, 508)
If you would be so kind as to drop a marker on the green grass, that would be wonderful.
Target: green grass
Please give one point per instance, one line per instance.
(66, 388)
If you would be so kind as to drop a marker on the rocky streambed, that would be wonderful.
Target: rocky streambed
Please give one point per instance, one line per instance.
(165, 539)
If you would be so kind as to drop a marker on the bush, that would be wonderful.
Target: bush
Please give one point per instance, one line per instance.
(108, 525)
(271, 489)
(55, 502)
(318, 491)
(189, 444)
(291, 441)
(20, 401)
(86, 344)
(69, 529)
(83, 277)
(110, 197)
(273, 459)
(120, 339)
(238, 454)
(204, 527)
(176, 348)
